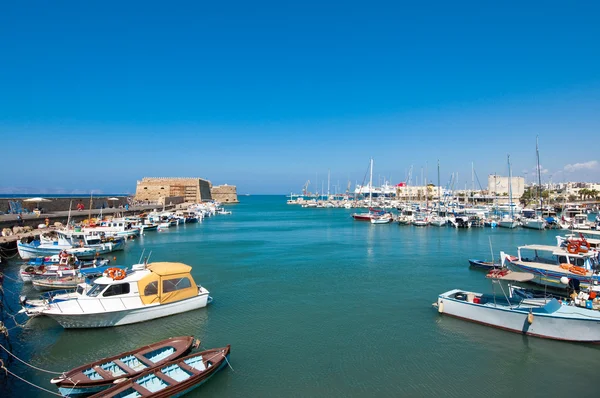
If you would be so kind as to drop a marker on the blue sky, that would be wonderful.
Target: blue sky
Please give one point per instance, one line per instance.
(266, 95)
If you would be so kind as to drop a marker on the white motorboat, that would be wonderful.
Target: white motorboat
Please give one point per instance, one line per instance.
(148, 292)
(385, 218)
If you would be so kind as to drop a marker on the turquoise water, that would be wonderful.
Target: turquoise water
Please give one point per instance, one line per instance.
(316, 304)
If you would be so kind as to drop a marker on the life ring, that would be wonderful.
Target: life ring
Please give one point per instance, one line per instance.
(115, 273)
(583, 249)
(573, 248)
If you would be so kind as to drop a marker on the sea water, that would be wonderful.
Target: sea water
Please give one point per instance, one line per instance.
(314, 303)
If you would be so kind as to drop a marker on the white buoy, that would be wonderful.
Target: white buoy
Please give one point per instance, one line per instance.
(564, 280)
(440, 306)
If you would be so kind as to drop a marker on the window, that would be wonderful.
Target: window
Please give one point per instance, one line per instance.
(115, 290)
(171, 285)
(96, 290)
(151, 288)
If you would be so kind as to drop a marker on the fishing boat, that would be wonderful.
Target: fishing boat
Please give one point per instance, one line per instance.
(483, 264)
(540, 318)
(174, 378)
(37, 249)
(100, 375)
(62, 280)
(120, 298)
(550, 264)
(52, 266)
(57, 282)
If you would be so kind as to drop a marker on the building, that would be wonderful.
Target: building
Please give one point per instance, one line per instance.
(499, 186)
(173, 190)
(224, 193)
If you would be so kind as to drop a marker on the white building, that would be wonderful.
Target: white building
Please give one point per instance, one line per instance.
(498, 185)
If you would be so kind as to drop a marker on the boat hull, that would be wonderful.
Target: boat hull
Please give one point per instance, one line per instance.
(549, 326)
(126, 317)
(534, 224)
(508, 224)
(483, 264)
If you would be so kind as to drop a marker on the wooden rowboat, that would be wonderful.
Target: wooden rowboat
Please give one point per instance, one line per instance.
(174, 378)
(99, 375)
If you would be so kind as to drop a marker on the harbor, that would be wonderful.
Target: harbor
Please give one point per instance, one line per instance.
(355, 289)
(299, 200)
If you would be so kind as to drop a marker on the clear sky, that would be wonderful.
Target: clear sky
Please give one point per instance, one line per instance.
(268, 94)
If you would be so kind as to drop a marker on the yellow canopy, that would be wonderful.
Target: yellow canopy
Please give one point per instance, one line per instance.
(164, 268)
(167, 283)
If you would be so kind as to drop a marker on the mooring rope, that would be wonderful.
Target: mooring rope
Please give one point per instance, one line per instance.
(26, 381)
(28, 364)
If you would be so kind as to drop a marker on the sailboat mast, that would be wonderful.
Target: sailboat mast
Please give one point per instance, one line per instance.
(439, 195)
(371, 185)
(473, 182)
(510, 188)
(537, 152)
(426, 189)
(328, 180)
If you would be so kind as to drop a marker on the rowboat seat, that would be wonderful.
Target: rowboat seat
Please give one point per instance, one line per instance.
(152, 383)
(175, 372)
(196, 363)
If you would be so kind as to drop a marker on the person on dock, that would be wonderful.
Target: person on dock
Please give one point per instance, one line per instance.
(20, 219)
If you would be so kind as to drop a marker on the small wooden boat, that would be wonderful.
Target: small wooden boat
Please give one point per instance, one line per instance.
(483, 264)
(56, 283)
(172, 379)
(97, 376)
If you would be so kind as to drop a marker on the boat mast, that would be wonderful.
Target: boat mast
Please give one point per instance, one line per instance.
(426, 189)
(439, 195)
(371, 185)
(473, 182)
(328, 180)
(510, 188)
(537, 151)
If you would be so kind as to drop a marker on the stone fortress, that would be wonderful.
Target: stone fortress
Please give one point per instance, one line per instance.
(167, 190)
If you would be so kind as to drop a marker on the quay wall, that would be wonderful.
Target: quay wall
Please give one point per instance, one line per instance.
(62, 204)
(225, 193)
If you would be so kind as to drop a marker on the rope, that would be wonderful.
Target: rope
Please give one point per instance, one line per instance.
(26, 381)
(8, 277)
(31, 366)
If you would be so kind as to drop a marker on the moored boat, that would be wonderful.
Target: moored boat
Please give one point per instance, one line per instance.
(100, 375)
(174, 378)
(148, 292)
(547, 318)
(483, 264)
(550, 320)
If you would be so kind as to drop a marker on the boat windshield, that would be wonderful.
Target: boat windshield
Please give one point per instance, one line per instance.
(96, 290)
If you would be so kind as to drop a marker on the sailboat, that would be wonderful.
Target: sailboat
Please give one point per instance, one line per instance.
(536, 222)
(372, 213)
(437, 219)
(508, 221)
